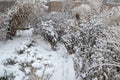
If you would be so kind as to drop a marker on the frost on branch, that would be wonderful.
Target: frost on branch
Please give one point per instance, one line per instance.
(95, 56)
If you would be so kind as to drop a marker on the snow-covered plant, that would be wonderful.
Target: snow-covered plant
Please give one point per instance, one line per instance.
(94, 57)
(30, 65)
(38, 7)
(29, 44)
(40, 72)
(49, 32)
(52, 27)
(112, 17)
(95, 5)
(86, 40)
(4, 18)
(24, 14)
(84, 10)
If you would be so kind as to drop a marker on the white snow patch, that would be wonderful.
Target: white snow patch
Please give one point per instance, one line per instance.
(58, 63)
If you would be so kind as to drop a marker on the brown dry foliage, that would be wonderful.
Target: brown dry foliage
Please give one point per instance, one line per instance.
(19, 18)
(77, 16)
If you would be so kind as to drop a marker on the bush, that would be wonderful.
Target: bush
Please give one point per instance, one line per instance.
(3, 25)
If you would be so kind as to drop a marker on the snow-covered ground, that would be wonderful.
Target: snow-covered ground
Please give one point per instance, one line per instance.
(58, 65)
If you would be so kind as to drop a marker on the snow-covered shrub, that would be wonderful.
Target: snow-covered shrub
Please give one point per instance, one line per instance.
(23, 67)
(4, 21)
(111, 17)
(84, 10)
(4, 78)
(49, 32)
(24, 14)
(109, 67)
(38, 7)
(30, 65)
(98, 43)
(86, 40)
(95, 5)
(113, 57)
(90, 51)
(41, 72)
(90, 44)
(20, 18)
(29, 44)
(52, 27)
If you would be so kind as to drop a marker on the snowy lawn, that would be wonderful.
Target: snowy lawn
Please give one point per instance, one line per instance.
(28, 58)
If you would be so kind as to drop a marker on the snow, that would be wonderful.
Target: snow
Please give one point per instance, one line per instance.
(27, 70)
(2, 71)
(65, 72)
(61, 47)
(37, 65)
(57, 64)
